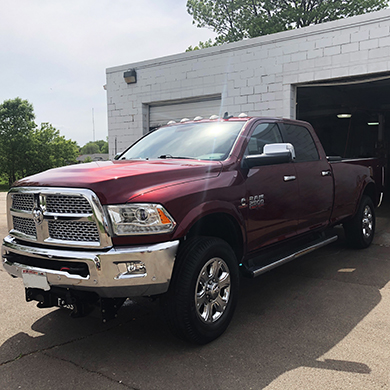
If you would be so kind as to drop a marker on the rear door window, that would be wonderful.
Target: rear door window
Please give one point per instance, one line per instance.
(301, 139)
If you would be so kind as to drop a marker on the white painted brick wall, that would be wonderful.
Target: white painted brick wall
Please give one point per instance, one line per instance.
(257, 76)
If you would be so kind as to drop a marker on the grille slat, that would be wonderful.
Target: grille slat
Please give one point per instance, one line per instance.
(25, 226)
(24, 202)
(67, 204)
(73, 231)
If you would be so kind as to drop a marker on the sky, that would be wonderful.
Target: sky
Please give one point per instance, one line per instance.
(54, 53)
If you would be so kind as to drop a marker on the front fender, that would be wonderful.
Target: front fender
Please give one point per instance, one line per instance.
(207, 209)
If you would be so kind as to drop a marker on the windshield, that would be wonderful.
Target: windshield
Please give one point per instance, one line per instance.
(201, 141)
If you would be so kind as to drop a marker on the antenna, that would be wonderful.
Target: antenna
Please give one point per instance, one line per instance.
(93, 125)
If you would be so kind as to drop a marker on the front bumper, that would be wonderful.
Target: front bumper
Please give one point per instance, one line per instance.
(117, 272)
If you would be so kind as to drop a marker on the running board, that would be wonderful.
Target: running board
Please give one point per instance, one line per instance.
(258, 271)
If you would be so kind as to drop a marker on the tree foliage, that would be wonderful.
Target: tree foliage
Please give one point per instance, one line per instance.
(90, 148)
(16, 124)
(93, 147)
(202, 45)
(26, 149)
(48, 149)
(234, 20)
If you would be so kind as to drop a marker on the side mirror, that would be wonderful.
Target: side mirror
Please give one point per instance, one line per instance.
(117, 156)
(272, 154)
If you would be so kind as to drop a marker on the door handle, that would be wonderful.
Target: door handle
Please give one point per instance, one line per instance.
(326, 173)
(289, 178)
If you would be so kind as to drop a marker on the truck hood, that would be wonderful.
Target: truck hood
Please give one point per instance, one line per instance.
(117, 182)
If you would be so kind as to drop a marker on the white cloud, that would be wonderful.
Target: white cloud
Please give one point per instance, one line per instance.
(55, 52)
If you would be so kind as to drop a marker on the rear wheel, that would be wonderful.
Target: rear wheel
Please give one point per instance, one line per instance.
(360, 230)
(204, 289)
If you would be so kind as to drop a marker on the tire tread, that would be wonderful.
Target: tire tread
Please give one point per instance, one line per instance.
(175, 302)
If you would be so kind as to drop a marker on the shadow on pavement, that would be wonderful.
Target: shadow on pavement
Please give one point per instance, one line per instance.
(285, 319)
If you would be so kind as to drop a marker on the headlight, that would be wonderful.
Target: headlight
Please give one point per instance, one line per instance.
(138, 218)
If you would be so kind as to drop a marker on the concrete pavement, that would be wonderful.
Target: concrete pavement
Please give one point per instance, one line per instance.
(320, 322)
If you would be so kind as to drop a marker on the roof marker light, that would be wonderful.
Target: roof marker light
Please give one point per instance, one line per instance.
(184, 120)
(198, 118)
(243, 115)
(214, 117)
(171, 122)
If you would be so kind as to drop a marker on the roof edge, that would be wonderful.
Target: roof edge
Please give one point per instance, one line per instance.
(341, 24)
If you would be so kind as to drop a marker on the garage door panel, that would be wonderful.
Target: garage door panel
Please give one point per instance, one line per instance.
(161, 114)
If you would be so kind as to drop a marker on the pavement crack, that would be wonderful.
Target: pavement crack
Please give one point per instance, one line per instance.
(90, 371)
(23, 355)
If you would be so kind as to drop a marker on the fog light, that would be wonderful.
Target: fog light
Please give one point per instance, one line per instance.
(131, 269)
(136, 267)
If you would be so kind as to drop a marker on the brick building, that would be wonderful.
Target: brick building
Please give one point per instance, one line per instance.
(335, 75)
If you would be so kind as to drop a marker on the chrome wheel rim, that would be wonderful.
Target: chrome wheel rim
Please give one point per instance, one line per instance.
(212, 290)
(367, 222)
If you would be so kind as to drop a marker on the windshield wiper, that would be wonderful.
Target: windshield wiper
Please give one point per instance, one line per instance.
(170, 156)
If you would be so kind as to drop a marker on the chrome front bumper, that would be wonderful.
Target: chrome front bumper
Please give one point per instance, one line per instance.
(117, 272)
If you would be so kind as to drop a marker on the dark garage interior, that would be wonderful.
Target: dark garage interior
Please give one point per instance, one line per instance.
(351, 116)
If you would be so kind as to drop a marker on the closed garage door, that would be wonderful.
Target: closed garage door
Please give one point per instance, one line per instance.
(161, 114)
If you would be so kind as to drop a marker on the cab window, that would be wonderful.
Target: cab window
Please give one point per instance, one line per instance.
(264, 133)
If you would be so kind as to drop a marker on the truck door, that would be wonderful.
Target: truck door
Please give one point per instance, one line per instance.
(271, 193)
(314, 178)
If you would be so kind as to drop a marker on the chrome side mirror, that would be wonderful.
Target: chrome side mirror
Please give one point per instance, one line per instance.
(272, 154)
(275, 149)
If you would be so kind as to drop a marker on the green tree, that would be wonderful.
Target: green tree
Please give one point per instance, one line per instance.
(202, 45)
(87, 160)
(48, 149)
(93, 147)
(26, 149)
(16, 124)
(103, 146)
(234, 20)
(90, 148)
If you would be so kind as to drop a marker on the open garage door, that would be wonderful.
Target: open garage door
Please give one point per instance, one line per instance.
(351, 117)
(161, 114)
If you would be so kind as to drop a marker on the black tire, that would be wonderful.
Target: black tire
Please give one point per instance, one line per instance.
(360, 230)
(203, 292)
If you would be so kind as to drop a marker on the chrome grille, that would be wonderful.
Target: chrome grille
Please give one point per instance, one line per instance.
(65, 204)
(73, 231)
(23, 202)
(68, 217)
(25, 226)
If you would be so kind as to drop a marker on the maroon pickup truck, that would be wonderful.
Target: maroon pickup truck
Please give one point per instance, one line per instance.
(180, 215)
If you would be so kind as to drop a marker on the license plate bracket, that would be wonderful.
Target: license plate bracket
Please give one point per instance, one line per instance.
(35, 279)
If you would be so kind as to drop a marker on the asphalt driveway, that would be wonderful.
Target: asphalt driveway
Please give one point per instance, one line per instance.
(320, 322)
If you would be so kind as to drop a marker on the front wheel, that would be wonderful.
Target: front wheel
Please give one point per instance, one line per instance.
(204, 289)
(360, 230)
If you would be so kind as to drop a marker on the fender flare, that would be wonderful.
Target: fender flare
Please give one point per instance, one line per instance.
(206, 209)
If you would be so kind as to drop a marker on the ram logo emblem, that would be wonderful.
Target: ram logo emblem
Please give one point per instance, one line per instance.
(38, 216)
(256, 201)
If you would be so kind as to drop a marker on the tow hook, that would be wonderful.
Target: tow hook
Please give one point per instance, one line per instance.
(79, 305)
